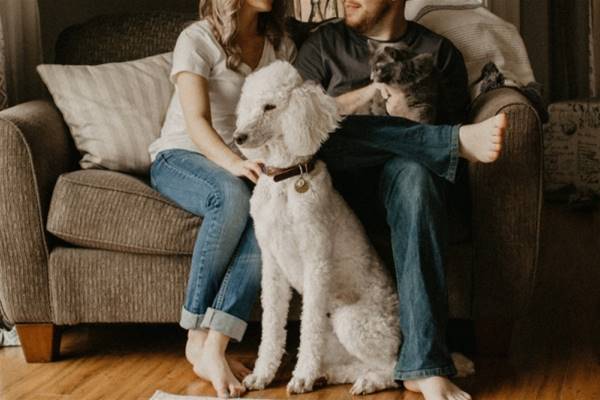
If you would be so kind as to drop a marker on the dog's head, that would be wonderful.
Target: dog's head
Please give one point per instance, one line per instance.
(280, 118)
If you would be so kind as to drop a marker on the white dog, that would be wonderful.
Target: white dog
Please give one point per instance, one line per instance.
(310, 240)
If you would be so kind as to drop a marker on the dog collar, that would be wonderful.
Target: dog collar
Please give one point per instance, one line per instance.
(279, 174)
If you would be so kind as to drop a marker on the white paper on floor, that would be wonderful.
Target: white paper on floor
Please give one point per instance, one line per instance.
(9, 338)
(160, 395)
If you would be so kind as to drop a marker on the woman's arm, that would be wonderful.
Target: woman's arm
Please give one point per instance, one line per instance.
(195, 103)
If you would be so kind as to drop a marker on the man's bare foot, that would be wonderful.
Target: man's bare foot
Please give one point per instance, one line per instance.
(483, 141)
(436, 388)
(194, 345)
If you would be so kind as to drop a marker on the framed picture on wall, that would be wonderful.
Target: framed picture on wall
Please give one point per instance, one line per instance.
(318, 10)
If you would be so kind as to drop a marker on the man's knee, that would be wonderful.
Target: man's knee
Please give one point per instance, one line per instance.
(408, 184)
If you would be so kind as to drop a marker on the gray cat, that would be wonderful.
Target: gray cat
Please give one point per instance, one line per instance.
(414, 74)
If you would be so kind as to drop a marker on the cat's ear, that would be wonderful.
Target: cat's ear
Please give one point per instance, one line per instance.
(373, 46)
(391, 52)
(423, 62)
(399, 45)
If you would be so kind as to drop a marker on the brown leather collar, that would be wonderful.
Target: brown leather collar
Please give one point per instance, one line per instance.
(280, 174)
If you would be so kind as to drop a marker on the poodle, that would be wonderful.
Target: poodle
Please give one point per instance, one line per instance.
(311, 241)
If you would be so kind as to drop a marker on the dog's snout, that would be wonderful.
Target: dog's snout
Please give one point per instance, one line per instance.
(240, 138)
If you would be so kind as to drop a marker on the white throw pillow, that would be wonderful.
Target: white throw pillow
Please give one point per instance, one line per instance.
(115, 110)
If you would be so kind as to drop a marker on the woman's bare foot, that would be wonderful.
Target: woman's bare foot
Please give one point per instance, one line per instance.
(483, 141)
(194, 345)
(212, 365)
(436, 388)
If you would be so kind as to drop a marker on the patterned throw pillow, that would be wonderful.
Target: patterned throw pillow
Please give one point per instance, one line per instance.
(114, 111)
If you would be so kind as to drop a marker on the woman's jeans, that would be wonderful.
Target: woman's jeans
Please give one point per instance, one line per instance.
(224, 278)
(415, 164)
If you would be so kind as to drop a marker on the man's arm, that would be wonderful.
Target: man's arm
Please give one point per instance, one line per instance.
(309, 63)
(454, 98)
(349, 103)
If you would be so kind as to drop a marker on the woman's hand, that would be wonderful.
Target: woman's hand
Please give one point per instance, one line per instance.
(245, 168)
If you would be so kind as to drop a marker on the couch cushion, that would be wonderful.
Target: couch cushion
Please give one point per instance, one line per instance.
(114, 211)
(113, 128)
(101, 286)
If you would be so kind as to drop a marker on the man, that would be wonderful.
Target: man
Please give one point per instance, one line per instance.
(416, 165)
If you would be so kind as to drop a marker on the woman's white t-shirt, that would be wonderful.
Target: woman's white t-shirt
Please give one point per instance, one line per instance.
(198, 51)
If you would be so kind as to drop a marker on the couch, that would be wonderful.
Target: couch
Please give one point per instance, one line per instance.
(98, 246)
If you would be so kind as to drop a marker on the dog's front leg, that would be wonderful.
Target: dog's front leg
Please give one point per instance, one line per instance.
(275, 300)
(314, 324)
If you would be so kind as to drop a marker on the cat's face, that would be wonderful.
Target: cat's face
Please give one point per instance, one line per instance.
(386, 60)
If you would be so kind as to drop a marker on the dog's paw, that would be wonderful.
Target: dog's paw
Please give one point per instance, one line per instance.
(372, 382)
(464, 366)
(300, 385)
(256, 381)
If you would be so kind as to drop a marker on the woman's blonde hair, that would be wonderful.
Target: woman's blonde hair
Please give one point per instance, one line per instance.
(223, 16)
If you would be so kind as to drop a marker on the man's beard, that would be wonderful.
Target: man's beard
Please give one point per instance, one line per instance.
(369, 20)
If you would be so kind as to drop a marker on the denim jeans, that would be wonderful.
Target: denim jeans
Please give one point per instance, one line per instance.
(224, 278)
(415, 162)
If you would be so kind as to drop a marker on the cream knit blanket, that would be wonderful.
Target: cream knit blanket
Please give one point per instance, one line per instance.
(480, 36)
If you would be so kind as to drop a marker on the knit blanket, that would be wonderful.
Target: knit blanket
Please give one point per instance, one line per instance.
(481, 37)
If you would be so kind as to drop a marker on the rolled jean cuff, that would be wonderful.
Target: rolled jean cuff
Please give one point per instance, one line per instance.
(449, 370)
(227, 324)
(189, 320)
(454, 154)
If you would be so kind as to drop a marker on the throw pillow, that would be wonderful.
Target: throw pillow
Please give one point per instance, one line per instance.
(114, 111)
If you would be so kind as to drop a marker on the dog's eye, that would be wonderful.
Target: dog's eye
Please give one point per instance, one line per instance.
(269, 107)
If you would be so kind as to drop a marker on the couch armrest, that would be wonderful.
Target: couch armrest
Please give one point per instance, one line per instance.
(35, 148)
(507, 201)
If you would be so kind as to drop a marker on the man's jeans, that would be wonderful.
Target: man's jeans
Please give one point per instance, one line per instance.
(224, 278)
(417, 162)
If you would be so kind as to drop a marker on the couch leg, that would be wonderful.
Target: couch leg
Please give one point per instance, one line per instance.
(40, 342)
(493, 336)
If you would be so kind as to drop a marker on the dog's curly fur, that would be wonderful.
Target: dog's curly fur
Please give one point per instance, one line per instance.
(312, 242)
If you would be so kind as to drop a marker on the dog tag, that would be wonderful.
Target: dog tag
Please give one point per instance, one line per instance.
(301, 185)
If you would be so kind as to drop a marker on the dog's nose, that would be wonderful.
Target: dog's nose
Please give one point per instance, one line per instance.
(240, 138)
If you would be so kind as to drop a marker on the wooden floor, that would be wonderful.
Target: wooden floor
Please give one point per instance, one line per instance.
(555, 354)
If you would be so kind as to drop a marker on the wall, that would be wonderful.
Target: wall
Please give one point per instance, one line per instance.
(56, 15)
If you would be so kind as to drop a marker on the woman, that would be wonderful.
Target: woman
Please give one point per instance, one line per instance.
(196, 165)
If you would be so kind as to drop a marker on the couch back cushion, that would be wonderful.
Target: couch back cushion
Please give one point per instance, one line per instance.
(120, 37)
(124, 37)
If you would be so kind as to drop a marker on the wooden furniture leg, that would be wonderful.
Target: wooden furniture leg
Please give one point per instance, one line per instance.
(40, 342)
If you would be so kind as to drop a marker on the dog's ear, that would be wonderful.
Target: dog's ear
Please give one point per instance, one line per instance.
(311, 115)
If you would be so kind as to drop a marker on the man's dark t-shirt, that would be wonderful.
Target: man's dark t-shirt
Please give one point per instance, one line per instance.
(337, 57)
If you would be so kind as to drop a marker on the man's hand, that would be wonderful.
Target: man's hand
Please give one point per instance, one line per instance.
(357, 100)
(395, 101)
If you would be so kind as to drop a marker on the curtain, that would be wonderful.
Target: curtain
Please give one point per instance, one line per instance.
(569, 50)
(20, 51)
(594, 48)
(3, 93)
(317, 10)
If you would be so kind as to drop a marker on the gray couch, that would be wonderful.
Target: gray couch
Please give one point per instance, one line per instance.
(96, 246)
